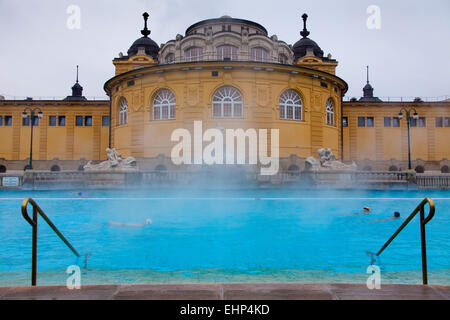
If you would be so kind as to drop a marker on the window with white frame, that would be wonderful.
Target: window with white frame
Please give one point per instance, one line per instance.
(227, 52)
(291, 105)
(330, 112)
(259, 54)
(227, 103)
(193, 54)
(123, 111)
(164, 105)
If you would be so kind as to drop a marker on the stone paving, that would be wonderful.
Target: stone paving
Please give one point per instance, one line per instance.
(229, 291)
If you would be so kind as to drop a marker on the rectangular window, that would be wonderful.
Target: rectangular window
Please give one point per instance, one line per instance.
(88, 121)
(79, 121)
(62, 121)
(105, 121)
(26, 121)
(396, 122)
(446, 122)
(387, 121)
(361, 122)
(412, 122)
(8, 120)
(1, 120)
(370, 122)
(422, 122)
(52, 121)
(344, 121)
(439, 122)
(35, 121)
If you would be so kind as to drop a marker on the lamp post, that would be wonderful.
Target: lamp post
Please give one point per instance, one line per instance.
(408, 121)
(32, 117)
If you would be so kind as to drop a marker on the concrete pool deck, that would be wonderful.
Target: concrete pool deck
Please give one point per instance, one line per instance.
(229, 291)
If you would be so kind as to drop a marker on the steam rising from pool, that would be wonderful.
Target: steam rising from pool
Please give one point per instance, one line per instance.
(203, 233)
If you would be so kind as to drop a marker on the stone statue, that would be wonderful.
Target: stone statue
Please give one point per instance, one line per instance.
(314, 164)
(328, 162)
(114, 162)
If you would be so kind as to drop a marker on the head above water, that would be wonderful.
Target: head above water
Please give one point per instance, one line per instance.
(148, 221)
(366, 209)
(397, 214)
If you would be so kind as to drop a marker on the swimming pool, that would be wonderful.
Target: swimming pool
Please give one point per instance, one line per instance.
(269, 235)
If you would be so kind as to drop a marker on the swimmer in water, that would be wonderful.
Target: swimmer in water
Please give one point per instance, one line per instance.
(366, 210)
(395, 217)
(121, 224)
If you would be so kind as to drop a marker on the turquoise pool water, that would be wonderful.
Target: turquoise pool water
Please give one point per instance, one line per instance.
(217, 236)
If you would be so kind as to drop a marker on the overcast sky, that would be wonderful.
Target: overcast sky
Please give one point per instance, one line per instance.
(408, 56)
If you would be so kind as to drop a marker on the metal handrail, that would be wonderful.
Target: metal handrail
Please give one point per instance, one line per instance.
(33, 223)
(423, 222)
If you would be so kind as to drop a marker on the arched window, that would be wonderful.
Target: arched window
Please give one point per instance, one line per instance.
(330, 112)
(164, 105)
(193, 54)
(170, 58)
(420, 169)
(227, 103)
(282, 59)
(291, 105)
(259, 54)
(227, 52)
(55, 168)
(123, 112)
(444, 169)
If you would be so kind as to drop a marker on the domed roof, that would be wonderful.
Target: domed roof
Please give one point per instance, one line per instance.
(150, 46)
(301, 47)
(226, 19)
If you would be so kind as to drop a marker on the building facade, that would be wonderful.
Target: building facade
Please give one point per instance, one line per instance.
(227, 73)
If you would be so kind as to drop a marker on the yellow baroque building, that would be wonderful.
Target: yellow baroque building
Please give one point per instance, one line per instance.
(228, 73)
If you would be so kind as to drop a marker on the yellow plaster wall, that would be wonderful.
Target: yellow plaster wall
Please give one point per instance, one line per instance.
(194, 89)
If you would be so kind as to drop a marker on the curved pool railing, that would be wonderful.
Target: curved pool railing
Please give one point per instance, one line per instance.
(423, 221)
(34, 224)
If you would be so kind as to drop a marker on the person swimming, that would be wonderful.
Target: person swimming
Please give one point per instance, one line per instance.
(366, 210)
(122, 224)
(394, 217)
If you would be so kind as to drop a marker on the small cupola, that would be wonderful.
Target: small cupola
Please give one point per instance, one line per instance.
(305, 46)
(77, 92)
(144, 43)
(368, 91)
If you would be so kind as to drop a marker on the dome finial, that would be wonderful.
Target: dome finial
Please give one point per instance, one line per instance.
(145, 32)
(367, 74)
(305, 33)
(77, 73)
